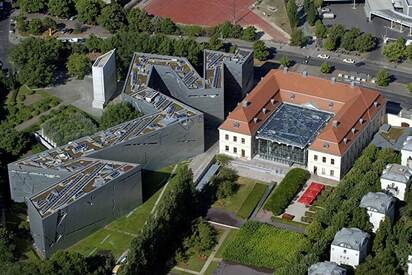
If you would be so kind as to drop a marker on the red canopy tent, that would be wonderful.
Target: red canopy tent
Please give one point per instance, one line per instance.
(311, 193)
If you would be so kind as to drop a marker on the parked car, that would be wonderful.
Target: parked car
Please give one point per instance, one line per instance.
(73, 18)
(323, 56)
(328, 15)
(349, 60)
(324, 9)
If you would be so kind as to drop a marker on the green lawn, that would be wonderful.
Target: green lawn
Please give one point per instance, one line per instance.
(262, 245)
(212, 267)
(251, 201)
(237, 201)
(117, 235)
(230, 237)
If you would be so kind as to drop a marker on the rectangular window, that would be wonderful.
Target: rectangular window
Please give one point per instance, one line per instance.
(227, 148)
(234, 138)
(323, 159)
(332, 173)
(323, 171)
(243, 141)
(243, 153)
(227, 137)
(332, 161)
(235, 150)
(315, 157)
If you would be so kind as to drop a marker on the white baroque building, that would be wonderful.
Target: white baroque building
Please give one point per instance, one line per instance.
(396, 180)
(378, 206)
(349, 247)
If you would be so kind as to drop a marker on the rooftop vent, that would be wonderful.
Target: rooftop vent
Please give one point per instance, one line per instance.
(305, 73)
(245, 103)
(375, 104)
(345, 140)
(331, 104)
(264, 110)
(292, 96)
(333, 80)
(326, 145)
(255, 119)
(272, 101)
(353, 130)
(361, 120)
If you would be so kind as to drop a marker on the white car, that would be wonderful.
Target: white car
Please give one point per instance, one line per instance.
(349, 60)
(323, 10)
(323, 56)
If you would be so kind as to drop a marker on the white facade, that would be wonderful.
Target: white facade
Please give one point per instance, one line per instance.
(324, 165)
(406, 151)
(104, 79)
(375, 219)
(398, 121)
(235, 145)
(349, 247)
(379, 206)
(396, 180)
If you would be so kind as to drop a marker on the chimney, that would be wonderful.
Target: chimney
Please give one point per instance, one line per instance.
(305, 73)
(333, 80)
(335, 124)
(245, 103)
(272, 101)
(285, 70)
(255, 119)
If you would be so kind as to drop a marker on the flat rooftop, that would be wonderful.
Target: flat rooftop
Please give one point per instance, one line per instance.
(293, 125)
(102, 60)
(95, 174)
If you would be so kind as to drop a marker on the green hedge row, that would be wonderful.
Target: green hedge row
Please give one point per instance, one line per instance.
(251, 201)
(287, 189)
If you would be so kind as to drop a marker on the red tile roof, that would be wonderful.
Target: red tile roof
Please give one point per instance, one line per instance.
(349, 104)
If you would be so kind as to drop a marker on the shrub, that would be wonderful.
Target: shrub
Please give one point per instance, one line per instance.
(117, 113)
(284, 193)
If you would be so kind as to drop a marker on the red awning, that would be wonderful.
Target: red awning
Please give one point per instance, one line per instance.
(311, 193)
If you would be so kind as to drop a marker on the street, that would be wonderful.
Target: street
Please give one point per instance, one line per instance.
(4, 39)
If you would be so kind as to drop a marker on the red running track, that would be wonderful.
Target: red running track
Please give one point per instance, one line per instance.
(212, 12)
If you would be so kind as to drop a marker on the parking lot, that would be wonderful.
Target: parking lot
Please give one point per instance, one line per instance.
(349, 17)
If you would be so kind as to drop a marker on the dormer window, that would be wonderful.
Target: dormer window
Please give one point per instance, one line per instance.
(326, 145)
(353, 130)
(236, 124)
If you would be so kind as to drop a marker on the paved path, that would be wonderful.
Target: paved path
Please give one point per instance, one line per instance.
(226, 268)
(212, 255)
(263, 199)
(266, 217)
(223, 217)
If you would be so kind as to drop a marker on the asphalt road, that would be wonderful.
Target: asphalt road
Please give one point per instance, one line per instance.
(4, 40)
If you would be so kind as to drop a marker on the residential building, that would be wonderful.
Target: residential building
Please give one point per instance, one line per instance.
(378, 206)
(406, 153)
(349, 247)
(299, 119)
(104, 79)
(396, 180)
(326, 268)
(401, 119)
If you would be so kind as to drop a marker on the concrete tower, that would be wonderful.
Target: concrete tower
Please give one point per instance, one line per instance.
(104, 79)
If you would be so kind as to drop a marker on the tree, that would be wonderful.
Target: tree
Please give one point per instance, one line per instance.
(395, 51)
(297, 38)
(94, 43)
(360, 219)
(87, 11)
(116, 113)
(313, 230)
(311, 13)
(383, 232)
(203, 238)
(35, 26)
(325, 68)
(318, 3)
(49, 23)
(383, 78)
(78, 65)
(61, 8)
(330, 43)
(348, 39)
(36, 60)
(12, 141)
(167, 26)
(32, 6)
(112, 17)
(408, 52)
(284, 61)
(409, 86)
(320, 29)
(64, 262)
(260, 50)
(21, 23)
(215, 43)
(364, 42)
(249, 33)
(292, 11)
(223, 159)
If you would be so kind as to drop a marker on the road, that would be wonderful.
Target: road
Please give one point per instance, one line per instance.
(4, 39)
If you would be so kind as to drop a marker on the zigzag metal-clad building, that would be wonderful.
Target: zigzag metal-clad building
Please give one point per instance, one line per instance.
(77, 188)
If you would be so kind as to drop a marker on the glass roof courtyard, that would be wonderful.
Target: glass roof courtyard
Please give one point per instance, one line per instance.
(293, 125)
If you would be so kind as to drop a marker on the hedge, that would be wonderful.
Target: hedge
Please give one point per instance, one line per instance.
(287, 189)
(251, 201)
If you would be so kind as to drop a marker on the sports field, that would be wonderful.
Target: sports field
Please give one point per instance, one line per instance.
(211, 13)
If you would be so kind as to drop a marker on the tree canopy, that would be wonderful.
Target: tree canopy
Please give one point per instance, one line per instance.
(116, 113)
(88, 11)
(78, 65)
(112, 17)
(32, 6)
(260, 50)
(61, 8)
